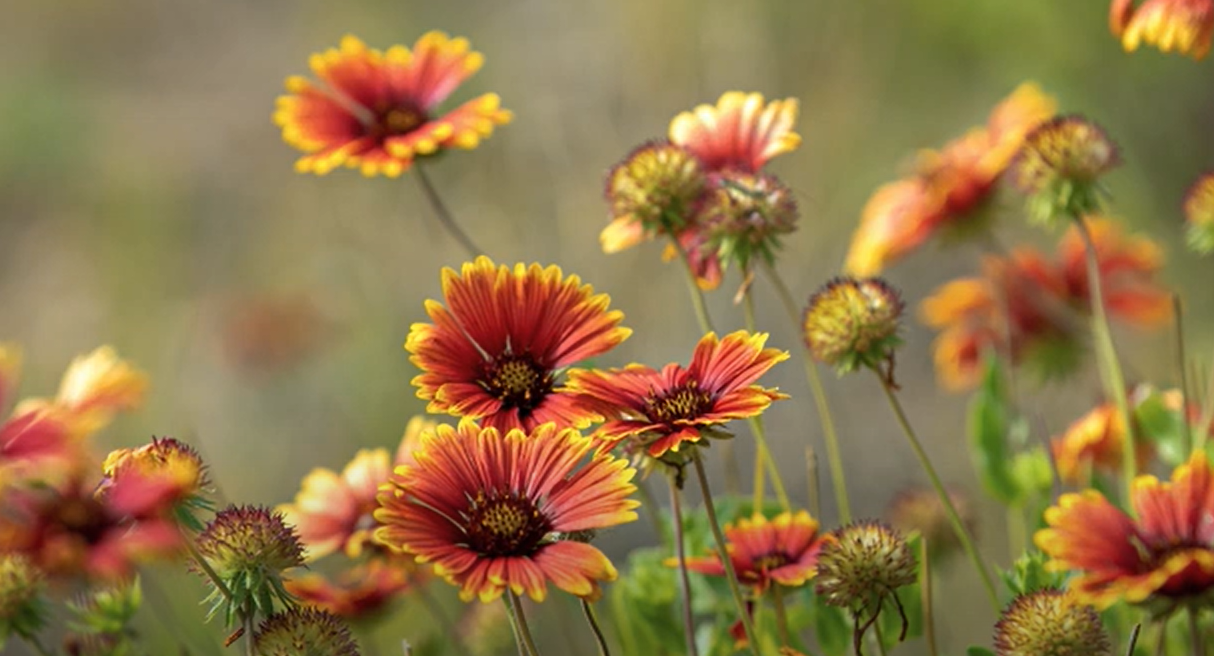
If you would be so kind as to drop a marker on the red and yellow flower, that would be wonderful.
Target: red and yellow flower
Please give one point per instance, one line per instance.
(764, 551)
(160, 477)
(1094, 442)
(495, 350)
(664, 409)
(377, 111)
(357, 591)
(1165, 556)
(1199, 214)
(1185, 26)
(741, 132)
(486, 509)
(10, 370)
(94, 389)
(1127, 264)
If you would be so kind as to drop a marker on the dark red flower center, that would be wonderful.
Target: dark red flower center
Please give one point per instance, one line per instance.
(687, 401)
(770, 561)
(518, 382)
(505, 524)
(396, 120)
(83, 517)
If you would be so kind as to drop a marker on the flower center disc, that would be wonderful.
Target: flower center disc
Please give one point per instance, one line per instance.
(395, 121)
(685, 402)
(505, 525)
(518, 382)
(770, 562)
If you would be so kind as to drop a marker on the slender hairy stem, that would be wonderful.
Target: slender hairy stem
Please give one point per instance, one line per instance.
(1181, 370)
(206, 568)
(963, 535)
(1114, 380)
(1129, 648)
(812, 481)
(834, 459)
(680, 551)
(441, 618)
(731, 577)
(593, 621)
(777, 602)
(693, 288)
(444, 215)
(763, 456)
(1195, 636)
(1161, 638)
(1016, 530)
(250, 617)
(509, 600)
(925, 597)
(523, 632)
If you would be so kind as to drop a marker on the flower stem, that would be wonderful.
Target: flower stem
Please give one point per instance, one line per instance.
(763, 456)
(1195, 636)
(693, 288)
(206, 568)
(444, 621)
(680, 551)
(1110, 367)
(925, 597)
(777, 602)
(731, 577)
(250, 616)
(834, 458)
(518, 622)
(444, 215)
(593, 621)
(963, 535)
(1181, 371)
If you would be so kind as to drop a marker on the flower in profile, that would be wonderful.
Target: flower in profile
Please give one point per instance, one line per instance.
(1060, 165)
(464, 507)
(1185, 26)
(495, 350)
(745, 216)
(948, 188)
(1127, 264)
(860, 566)
(355, 592)
(764, 551)
(94, 388)
(304, 631)
(1163, 557)
(37, 445)
(22, 611)
(741, 132)
(661, 410)
(1094, 443)
(656, 190)
(852, 323)
(1199, 214)
(332, 512)
(249, 548)
(1050, 621)
(918, 509)
(378, 111)
(165, 476)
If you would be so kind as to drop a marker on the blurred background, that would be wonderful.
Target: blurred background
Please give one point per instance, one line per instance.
(147, 201)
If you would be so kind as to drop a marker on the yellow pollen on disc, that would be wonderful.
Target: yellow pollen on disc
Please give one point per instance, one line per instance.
(400, 121)
(684, 403)
(504, 520)
(516, 377)
(770, 562)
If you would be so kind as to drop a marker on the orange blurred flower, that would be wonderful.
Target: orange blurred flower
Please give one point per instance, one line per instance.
(10, 370)
(1164, 555)
(1095, 441)
(1199, 214)
(167, 475)
(271, 333)
(377, 111)
(947, 187)
(764, 551)
(1185, 26)
(1127, 263)
(94, 388)
(357, 591)
(741, 132)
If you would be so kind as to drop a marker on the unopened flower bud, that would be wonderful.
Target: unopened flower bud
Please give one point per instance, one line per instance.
(1049, 622)
(852, 323)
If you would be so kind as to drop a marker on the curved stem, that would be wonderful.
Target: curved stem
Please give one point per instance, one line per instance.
(680, 550)
(731, 577)
(693, 288)
(963, 535)
(444, 215)
(593, 621)
(925, 597)
(518, 621)
(763, 456)
(777, 602)
(250, 616)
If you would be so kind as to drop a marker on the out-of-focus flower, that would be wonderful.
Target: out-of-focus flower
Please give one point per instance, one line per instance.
(745, 216)
(702, 258)
(486, 629)
(1127, 263)
(919, 509)
(355, 592)
(948, 187)
(304, 631)
(10, 371)
(740, 132)
(1095, 442)
(21, 585)
(661, 410)
(165, 476)
(464, 507)
(494, 351)
(1185, 26)
(851, 323)
(1199, 214)
(377, 111)
(860, 567)
(656, 189)
(248, 548)
(1164, 557)
(271, 333)
(781, 550)
(411, 441)
(37, 445)
(95, 387)
(332, 512)
(1050, 622)
(1060, 166)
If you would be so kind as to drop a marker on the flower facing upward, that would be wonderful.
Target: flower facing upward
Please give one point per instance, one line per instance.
(861, 562)
(484, 508)
(377, 111)
(782, 550)
(1165, 557)
(362, 589)
(1185, 26)
(852, 323)
(1050, 623)
(494, 351)
(1060, 165)
(741, 132)
(655, 189)
(663, 409)
(304, 632)
(1199, 214)
(1127, 265)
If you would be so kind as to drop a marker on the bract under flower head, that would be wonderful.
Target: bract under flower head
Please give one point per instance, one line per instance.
(852, 323)
(249, 548)
(377, 110)
(1199, 214)
(740, 132)
(655, 190)
(1060, 165)
(745, 216)
(1050, 622)
(304, 631)
(1184, 26)
(465, 507)
(764, 551)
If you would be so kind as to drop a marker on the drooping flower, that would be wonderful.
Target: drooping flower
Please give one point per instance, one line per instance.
(1094, 443)
(1060, 165)
(1199, 214)
(851, 323)
(495, 350)
(467, 507)
(1185, 26)
(948, 187)
(661, 410)
(1163, 557)
(378, 110)
(304, 631)
(1048, 622)
(918, 509)
(355, 592)
(1127, 264)
(764, 551)
(656, 190)
(740, 132)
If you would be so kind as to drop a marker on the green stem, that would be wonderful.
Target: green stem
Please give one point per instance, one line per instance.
(693, 288)
(777, 602)
(444, 215)
(812, 483)
(518, 621)
(440, 616)
(680, 551)
(1207, 413)
(925, 597)
(763, 456)
(877, 638)
(963, 535)
(593, 621)
(207, 569)
(1195, 636)
(1016, 530)
(1129, 648)
(1181, 370)
(1114, 380)
(514, 625)
(731, 577)
(250, 616)
(834, 458)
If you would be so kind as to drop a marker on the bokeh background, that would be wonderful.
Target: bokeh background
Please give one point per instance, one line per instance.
(147, 201)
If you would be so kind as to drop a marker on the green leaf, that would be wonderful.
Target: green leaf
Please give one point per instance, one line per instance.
(832, 627)
(988, 430)
(1163, 427)
(1029, 574)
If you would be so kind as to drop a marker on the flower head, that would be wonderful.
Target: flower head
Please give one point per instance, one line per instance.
(1060, 165)
(656, 189)
(1094, 442)
(357, 591)
(919, 509)
(663, 409)
(411, 441)
(378, 111)
(861, 562)
(465, 507)
(1185, 26)
(304, 632)
(1050, 623)
(746, 215)
(1127, 265)
(781, 550)
(1199, 214)
(852, 323)
(94, 388)
(1165, 557)
(165, 475)
(740, 132)
(332, 512)
(494, 351)
(38, 445)
(249, 548)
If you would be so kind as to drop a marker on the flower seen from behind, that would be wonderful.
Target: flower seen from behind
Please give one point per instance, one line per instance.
(781, 550)
(1060, 166)
(1184, 26)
